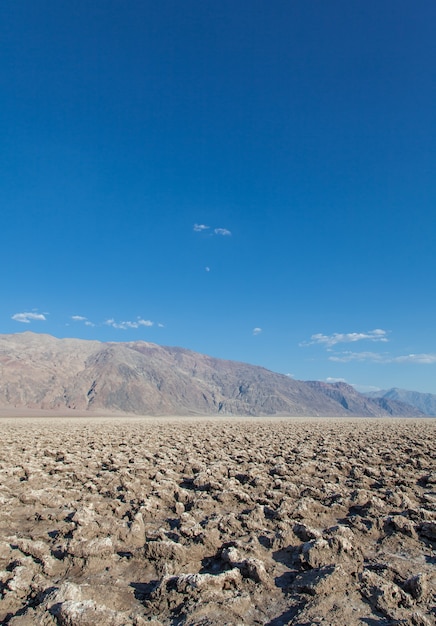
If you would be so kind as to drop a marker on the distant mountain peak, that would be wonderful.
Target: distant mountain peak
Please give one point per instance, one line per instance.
(425, 402)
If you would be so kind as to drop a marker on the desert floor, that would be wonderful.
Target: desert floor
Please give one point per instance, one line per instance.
(119, 521)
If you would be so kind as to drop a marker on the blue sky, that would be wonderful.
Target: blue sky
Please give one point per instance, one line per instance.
(251, 180)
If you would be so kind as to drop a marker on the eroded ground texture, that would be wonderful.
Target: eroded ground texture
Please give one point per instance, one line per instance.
(138, 521)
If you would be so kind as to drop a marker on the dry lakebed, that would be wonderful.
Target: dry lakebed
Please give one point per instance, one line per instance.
(168, 521)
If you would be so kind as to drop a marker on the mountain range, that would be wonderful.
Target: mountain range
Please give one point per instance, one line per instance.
(425, 402)
(42, 372)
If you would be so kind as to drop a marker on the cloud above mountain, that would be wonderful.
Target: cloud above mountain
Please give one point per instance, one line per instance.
(328, 341)
(376, 357)
(26, 318)
(81, 318)
(124, 325)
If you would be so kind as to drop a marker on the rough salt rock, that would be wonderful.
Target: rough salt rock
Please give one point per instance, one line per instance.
(340, 531)
(249, 568)
(431, 479)
(418, 586)
(402, 525)
(166, 550)
(101, 547)
(29, 618)
(279, 470)
(255, 569)
(83, 517)
(67, 591)
(5, 551)
(323, 581)
(233, 611)
(87, 613)
(306, 533)
(189, 526)
(136, 534)
(384, 595)
(428, 529)
(203, 481)
(187, 583)
(336, 549)
(393, 498)
(416, 619)
(21, 577)
(307, 507)
(39, 551)
(179, 508)
(316, 553)
(230, 555)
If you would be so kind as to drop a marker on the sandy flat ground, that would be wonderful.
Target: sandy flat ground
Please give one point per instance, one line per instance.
(120, 521)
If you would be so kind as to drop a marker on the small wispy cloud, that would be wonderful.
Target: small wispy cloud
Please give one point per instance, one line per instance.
(82, 318)
(207, 268)
(124, 325)
(257, 331)
(223, 232)
(328, 341)
(348, 356)
(26, 318)
(425, 359)
(377, 357)
(361, 388)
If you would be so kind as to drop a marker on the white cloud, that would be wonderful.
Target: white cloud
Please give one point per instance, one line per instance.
(142, 322)
(257, 331)
(331, 340)
(426, 359)
(376, 357)
(26, 318)
(224, 232)
(128, 324)
(361, 388)
(81, 318)
(347, 356)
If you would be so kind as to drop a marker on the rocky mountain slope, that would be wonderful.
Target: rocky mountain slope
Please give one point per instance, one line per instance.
(357, 403)
(425, 402)
(41, 372)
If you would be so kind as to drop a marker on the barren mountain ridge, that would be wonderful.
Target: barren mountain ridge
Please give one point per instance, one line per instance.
(39, 371)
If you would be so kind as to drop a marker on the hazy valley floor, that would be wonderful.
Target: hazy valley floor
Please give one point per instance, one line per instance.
(132, 521)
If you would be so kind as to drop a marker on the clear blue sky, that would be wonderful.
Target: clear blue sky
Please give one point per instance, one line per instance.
(301, 133)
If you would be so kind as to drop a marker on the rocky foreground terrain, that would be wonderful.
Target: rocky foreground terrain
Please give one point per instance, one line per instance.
(211, 522)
